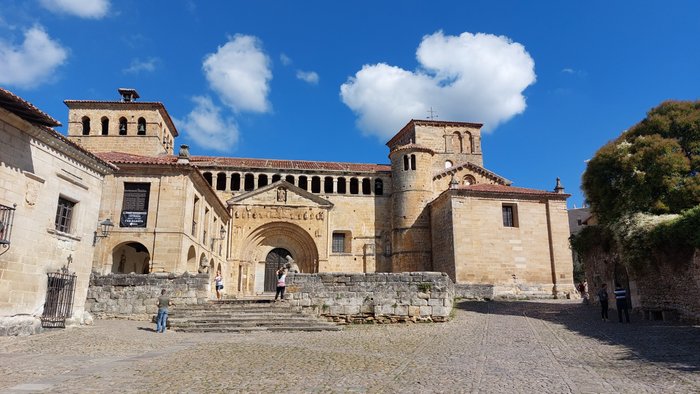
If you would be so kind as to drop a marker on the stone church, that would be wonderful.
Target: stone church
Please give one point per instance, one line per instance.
(434, 207)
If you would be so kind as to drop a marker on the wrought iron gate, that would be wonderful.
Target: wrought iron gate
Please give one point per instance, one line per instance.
(59, 299)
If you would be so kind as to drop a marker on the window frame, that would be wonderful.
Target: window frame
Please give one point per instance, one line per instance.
(346, 237)
(509, 215)
(63, 221)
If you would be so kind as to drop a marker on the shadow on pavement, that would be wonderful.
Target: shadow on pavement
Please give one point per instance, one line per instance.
(674, 344)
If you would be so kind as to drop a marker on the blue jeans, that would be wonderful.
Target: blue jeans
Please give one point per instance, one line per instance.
(161, 319)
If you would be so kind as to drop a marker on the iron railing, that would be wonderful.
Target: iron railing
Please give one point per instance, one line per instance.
(59, 299)
(7, 215)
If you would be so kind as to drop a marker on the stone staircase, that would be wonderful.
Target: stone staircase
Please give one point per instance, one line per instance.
(244, 315)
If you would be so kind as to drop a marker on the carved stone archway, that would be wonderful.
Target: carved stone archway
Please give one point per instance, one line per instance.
(131, 257)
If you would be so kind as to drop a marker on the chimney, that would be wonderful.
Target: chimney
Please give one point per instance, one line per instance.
(183, 156)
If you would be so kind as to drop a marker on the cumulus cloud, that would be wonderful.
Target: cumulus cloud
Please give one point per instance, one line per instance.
(471, 77)
(310, 77)
(32, 63)
(207, 127)
(90, 9)
(239, 72)
(137, 65)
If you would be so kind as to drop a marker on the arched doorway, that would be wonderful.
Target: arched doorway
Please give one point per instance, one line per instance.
(131, 257)
(274, 260)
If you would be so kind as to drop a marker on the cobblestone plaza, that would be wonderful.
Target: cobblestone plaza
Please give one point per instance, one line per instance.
(528, 347)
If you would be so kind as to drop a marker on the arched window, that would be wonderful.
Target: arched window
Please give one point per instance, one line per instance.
(141, 130)
(413, 162)
(208, 177)
(354, 186)
(316, 184)
(378, 187)
(468, 180)
(276, 178)
(249, 182)
(86, 125)
(468, 143)
(221, 181)
(289, 178)
(456, 143)
(262, 180)
(236, 182)
(328, 185)
(366, 186)
(303, 183)
(122, 126)
(405, 162)
(105, 126)
(342, 186)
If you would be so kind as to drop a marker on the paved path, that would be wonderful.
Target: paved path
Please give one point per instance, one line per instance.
(509, 347)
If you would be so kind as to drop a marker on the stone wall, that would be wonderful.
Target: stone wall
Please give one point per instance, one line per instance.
(134, 296)
(374, 297)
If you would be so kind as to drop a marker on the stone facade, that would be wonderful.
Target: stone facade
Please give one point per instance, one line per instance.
(374, 297)
(135, 296)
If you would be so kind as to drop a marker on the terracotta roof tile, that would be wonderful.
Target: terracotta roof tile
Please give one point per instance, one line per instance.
(207, 161)
(503, 189)
(127, 158)
(25, 110)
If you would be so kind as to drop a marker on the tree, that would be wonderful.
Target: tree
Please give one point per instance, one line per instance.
(653, 167)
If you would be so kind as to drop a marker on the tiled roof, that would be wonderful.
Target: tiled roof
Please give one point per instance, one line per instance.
(209, 161)
(25, 110)
(143, 104)
(127, 158)
(474, 167)
(412, 147)
(505, 190)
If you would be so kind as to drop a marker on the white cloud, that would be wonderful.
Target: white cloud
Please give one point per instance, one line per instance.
(32, 63)
(308, 76)
(239, 72)
(286, 60)
(137, 65)
(206, 126)
(568, 70)
(471, 77)
(91, 9)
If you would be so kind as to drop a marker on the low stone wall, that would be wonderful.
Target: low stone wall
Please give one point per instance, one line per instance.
(517, 291)
(134, 296)
(373, 297)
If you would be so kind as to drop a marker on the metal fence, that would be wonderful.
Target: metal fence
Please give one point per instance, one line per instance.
(59, 299)
(7, 215)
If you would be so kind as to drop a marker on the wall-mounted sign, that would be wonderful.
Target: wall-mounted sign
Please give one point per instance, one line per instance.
(133, 219)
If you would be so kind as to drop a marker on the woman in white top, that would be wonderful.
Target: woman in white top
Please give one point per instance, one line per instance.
(219, 281)
(281, 283)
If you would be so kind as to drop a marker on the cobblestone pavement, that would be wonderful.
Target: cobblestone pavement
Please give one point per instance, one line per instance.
(513, 347)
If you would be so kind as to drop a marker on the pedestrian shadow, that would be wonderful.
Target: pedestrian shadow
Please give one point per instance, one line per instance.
(673, 344)
(151, 329)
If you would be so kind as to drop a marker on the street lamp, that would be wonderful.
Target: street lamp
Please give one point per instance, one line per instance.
(105, 227)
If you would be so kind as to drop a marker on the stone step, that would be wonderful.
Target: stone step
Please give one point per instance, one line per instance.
(229, 329)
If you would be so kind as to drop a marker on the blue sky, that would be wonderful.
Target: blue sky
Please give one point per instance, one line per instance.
(332, 81)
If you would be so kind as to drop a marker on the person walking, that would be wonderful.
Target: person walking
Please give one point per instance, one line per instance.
(621, 301)
(603, 298)
(162, 318)
(281, 283)
(219, 283)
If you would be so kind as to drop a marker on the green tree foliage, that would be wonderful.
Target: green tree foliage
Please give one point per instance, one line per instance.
(653, 167)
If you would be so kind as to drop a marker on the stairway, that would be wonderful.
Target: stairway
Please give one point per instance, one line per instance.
(244, 315)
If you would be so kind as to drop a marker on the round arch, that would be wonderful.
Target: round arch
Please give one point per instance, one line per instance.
(283, 235)
(128, 257)
(191, 260)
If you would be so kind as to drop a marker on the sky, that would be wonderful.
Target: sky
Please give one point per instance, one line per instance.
(552, 81)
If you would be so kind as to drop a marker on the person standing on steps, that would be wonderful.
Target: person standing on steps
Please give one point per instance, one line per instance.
(219, 283)
(281, 283)
(603, 298)
(162, 318)
(621, 301)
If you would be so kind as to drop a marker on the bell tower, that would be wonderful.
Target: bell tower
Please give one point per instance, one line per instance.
(128, 126)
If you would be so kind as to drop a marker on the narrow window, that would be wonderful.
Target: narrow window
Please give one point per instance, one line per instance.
(262, 180)
(195, 214)
(236, 182)
(205, 226)
(86, 125)
(221, 181)
(366, 186)
(405, 162)
(135, 204)
(64, 214)
(289, 178)
(208, 178)
(342, 186)
(340, 242)
(249, 182)
(413, 162)
(105, 126)
(316, 185)
(328, 184)
(141, 130)
(378, 187)
(510, 215)
(354, 186)
(303, 183)
(122, 126)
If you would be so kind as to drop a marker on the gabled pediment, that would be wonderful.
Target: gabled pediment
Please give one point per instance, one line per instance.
(281, 193)
(460, 170)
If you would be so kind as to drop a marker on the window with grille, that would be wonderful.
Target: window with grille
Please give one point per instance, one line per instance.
(510, 215)
(338, 243)
(135, 204)
(64, 214)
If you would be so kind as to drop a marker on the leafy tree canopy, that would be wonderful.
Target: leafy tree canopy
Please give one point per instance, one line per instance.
(653, 167)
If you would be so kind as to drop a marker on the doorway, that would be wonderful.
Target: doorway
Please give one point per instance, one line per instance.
(274, 260)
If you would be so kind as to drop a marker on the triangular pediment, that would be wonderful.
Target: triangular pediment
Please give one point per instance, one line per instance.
(281, 193)
(465, 168)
